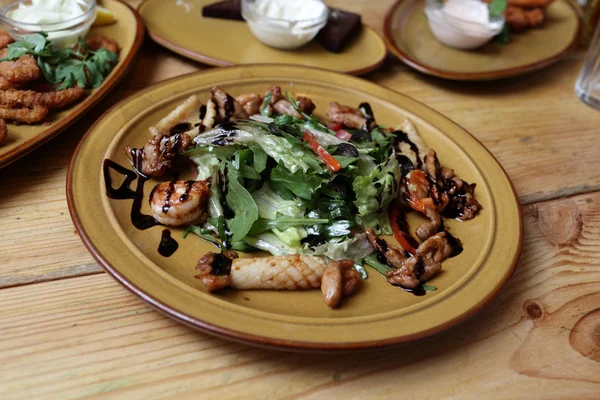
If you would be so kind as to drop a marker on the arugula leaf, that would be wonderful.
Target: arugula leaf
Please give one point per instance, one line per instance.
(345, 161)
(429, 288)
(242, 205)
(299, 183)
(264, 110)
(373, 262)
(203, 233)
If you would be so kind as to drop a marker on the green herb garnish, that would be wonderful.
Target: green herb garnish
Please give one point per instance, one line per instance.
(497, 7)
(77, 66)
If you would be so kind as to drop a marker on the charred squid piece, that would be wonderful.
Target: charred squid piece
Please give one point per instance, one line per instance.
(250, 102)
(179, 202)
(284, 107)
(417, 193)
(305, 105)
(451, 195)
(440, 247)
(339, 280)
(293, 272)
(463, 204)
(215, 269)
(228, 108)
(348, 116)
(413, 271)
(158, 154)
(393, 255)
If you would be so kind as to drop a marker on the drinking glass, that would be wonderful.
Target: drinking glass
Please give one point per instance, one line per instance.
(587, 86)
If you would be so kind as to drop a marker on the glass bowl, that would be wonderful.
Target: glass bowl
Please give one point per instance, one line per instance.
(457, 32)
(62, 34)
(285, 33)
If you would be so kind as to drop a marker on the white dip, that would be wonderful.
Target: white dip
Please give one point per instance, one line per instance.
(285, 24)
(58, 18)
(464, 24)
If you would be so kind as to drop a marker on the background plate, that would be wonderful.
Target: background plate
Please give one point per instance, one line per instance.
(180, 27)
(128, 31)
(408, 36)
(378, 315)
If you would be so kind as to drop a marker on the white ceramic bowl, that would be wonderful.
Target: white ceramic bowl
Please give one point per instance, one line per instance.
(283, 33)
(62, 34)
(460, 33)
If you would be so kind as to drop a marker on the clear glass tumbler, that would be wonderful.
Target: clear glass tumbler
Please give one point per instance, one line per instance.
(587, 86)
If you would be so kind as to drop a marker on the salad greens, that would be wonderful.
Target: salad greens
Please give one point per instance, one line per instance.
(274, 190)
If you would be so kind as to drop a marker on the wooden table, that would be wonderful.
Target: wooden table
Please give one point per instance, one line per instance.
(68, 330)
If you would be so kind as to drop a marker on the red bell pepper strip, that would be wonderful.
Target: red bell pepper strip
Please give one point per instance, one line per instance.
(344, 135)
(334, 126)
(401, 237)
(327, 158)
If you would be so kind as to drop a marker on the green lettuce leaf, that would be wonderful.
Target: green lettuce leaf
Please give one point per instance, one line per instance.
(374, 193)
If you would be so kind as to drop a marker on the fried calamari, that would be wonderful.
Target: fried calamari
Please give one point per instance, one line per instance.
(24, 115)
(30, 98)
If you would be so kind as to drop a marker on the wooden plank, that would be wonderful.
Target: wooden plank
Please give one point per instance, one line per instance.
(549, 149)
(88, 336)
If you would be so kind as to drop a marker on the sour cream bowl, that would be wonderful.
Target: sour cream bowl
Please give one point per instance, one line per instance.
(63, 32)
(461, 32)
(285, 24)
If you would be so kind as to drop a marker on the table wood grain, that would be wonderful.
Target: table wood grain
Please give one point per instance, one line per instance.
(68, 330)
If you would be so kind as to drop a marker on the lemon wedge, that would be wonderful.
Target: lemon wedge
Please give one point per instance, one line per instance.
(103, 16)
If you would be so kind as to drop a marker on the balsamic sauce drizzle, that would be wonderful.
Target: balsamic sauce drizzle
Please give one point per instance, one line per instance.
(403, 137)
(167, 245)
(141, 221)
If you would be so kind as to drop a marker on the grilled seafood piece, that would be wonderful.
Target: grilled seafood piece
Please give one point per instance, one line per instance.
(228, 108)
(51, 100)
(394, 255)
(3, 130)
(179, 202)
(340, 279)
(416, 191)
(293, 272)
(26, 115)
(407, 136)
(520, 19)
(23, 69)
(159, 153)
(98, 41)
(186, 112)
(348, 116)
(5, 39)
(250, 102)
(215, 269)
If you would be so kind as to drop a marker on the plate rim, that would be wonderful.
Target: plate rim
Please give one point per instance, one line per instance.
(87, 104)
(473, 76)
(265, 341)
(215, 62)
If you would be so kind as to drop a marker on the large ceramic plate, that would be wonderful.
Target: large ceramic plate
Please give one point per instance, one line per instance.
(379, 314)
(408, 36)
(128, 31)
(180, 27)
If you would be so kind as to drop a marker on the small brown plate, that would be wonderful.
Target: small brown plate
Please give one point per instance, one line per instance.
(180, 27)
(128, 31)
(380, 314)
(408, 36)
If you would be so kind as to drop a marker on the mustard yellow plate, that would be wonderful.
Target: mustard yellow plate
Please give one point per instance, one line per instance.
(128, 31)
(380, 314)
(179, 26)
(408, 36)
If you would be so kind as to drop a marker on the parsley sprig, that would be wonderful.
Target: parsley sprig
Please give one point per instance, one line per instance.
(65, 67)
